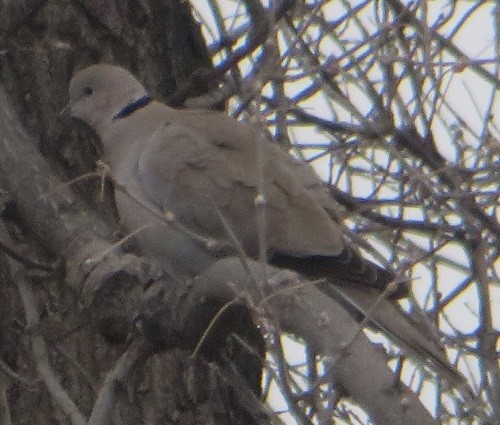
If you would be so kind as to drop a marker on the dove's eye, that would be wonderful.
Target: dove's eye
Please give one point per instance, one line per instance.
(87, 90)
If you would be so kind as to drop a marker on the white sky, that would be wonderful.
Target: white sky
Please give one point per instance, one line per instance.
(467, 94)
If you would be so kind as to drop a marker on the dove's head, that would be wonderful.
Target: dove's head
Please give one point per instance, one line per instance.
(100, 92)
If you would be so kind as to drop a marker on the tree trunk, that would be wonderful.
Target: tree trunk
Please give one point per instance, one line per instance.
(41, 44)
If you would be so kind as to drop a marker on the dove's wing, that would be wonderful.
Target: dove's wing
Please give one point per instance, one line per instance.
(207, 169)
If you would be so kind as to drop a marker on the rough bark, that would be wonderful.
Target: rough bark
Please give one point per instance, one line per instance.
(41, 45)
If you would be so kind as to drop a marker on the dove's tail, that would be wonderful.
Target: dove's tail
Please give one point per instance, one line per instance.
(351, 280)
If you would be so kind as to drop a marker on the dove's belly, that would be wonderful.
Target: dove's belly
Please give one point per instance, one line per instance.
(162, 241)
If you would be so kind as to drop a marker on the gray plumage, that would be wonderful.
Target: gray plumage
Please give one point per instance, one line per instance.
(197, 166)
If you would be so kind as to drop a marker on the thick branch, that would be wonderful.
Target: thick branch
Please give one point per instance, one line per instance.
(305, 311)
(51, 211)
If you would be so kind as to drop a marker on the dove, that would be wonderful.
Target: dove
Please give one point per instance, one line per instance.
(200, 168)
(200, 181)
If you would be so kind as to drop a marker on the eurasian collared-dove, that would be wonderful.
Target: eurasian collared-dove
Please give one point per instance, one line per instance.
(201, 169)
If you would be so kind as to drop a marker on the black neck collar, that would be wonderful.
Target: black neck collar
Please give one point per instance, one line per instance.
(134, 106)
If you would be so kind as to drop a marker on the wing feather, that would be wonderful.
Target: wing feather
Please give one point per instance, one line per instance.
(197, 175)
